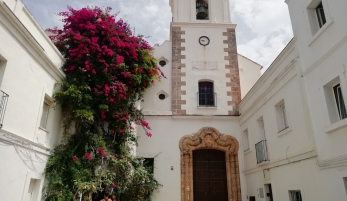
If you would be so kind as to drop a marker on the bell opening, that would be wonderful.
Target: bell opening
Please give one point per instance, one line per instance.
(201, 10)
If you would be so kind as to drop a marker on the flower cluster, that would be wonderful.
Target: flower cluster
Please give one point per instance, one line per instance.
(101, 151)
(107, 69)
(88, 156)
(74, 159)
(103, 55)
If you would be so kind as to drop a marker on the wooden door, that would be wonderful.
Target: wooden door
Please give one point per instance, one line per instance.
(209, 175)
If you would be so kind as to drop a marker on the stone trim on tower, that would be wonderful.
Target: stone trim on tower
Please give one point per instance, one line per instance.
(233, 75)
(177, 74)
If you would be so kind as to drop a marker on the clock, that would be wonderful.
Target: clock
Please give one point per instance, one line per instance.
(204, 40)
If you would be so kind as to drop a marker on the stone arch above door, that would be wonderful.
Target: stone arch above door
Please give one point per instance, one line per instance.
(209, 138)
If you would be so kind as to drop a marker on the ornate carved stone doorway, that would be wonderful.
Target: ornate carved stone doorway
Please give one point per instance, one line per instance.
(209, 138)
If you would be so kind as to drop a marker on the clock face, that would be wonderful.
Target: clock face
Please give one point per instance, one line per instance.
(204, 40)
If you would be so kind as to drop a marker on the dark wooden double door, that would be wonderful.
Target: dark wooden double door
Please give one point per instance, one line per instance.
(209, 175)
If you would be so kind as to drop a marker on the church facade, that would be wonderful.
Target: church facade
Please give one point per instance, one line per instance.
(280, 136)
(221, 131)
(194, 112)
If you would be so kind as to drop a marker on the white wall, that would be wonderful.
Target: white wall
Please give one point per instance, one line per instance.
(314, 46)
(324, 59)
(164, 146)
(249, 74)
(214, 52)
(151, 102)
(28, 71)
(281, 83)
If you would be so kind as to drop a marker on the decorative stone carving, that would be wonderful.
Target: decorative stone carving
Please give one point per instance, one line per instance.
(209, 138)
(205, 65)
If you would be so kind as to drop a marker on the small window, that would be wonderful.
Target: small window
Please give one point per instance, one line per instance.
(320, 14)
(261, 192)
(295, 196)
(245, 140)
(162, 96)
(251, 198)
(261, 129)
(281, 115)
(162, 63)
(148, 163)
(34, 189)
(44, 117)
(284, 116)
(333, 92)
(340, 102)
(206, 95)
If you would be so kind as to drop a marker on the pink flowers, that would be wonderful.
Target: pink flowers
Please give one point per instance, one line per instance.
(119, 60)
(102, 152)
(102, 114)
(149, 134)
(74, 159)
(107, 88)
(78, 37)
(145, 124)
(115, 156)
(114, 185)
(88, 156)
(71, 68)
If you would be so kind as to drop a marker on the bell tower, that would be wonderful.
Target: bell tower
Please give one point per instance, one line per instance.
(205, 74)
(201, 11)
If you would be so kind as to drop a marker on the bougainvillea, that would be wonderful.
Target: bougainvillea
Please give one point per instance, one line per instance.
(107, 68)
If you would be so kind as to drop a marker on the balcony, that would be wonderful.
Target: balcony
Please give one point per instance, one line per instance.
(3, 103)
(261, 151)
(207, 99)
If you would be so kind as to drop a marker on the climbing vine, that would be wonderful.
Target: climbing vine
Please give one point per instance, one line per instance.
(107, 69)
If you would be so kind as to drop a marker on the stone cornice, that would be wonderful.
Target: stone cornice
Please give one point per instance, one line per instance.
(334, 162)
(310, 154)
(325, 56)
(16, 140)
(193, 117)
(196, 24)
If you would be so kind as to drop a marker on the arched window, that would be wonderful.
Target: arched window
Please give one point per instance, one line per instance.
(206, 95)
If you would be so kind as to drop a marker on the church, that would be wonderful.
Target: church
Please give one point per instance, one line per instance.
(221, 130)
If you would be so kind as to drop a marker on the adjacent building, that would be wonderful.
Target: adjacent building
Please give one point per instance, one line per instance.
(30, 122)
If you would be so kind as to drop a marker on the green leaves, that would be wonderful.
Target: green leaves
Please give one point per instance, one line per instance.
(107, 70)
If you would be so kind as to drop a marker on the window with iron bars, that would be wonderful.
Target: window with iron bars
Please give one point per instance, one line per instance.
(206, 95)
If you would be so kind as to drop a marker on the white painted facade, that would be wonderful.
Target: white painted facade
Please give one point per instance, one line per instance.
(306, 153)
(29, 69)
(310, 155)
(168, 129)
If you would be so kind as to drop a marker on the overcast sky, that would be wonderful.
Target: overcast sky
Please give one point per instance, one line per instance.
(263, 26)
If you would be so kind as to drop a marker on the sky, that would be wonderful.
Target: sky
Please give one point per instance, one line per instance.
(263, 26)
